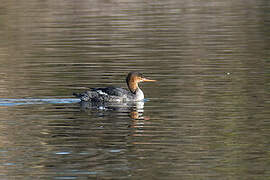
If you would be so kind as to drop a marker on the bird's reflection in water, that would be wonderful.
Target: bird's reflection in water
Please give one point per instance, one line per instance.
(134, 110)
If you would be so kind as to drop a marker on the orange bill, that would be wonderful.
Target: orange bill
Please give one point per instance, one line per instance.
(148, 80)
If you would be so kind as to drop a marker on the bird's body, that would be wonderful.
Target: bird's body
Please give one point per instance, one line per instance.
(116, 94)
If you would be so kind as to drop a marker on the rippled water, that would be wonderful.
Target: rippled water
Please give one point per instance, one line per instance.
(207, 117)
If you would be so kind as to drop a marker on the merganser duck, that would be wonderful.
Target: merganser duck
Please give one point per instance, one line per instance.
(116, 94)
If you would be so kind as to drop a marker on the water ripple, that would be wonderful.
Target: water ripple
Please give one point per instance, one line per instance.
(15, 102)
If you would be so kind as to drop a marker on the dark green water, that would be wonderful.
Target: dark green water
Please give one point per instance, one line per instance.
(207, 117)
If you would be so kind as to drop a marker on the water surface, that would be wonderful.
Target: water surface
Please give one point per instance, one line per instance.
(206, 117)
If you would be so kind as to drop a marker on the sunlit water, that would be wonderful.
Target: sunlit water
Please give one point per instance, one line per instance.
(206, 117)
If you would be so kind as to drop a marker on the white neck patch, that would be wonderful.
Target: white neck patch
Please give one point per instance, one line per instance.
(139, 95)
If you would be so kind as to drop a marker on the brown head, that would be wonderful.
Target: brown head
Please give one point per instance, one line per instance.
(134, 78)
